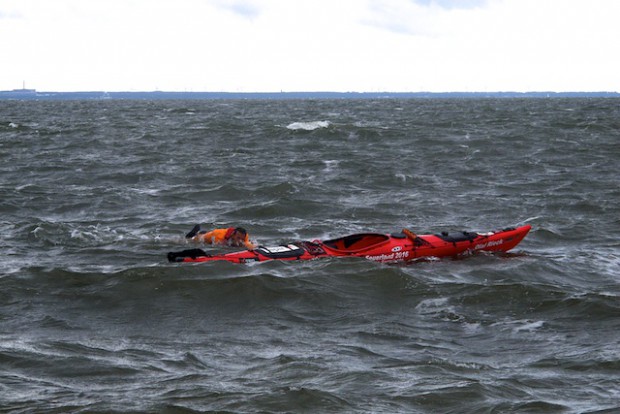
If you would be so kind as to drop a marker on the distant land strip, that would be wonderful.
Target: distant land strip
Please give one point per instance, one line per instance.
(31, 94)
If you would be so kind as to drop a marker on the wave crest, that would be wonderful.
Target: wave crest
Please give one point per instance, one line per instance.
(308, 126)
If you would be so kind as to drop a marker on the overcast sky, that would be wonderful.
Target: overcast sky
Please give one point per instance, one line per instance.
(310, 45)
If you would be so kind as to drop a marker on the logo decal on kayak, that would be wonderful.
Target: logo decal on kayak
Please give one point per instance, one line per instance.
(489, 244)
(397, 249)
(389, 257)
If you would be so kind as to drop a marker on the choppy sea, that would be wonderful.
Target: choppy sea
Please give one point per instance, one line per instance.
(93, 318)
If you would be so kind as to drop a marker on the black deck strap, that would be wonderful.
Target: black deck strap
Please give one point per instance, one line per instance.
(191, 253)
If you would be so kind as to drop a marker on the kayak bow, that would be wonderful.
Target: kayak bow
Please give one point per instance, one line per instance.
(389, 248)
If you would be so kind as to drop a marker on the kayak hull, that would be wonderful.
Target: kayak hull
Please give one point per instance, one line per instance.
(386, 248)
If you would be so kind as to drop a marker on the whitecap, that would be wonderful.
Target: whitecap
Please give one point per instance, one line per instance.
(529, 326)
(330, 165)
(522, 325)
(432, 305)
(308, 126)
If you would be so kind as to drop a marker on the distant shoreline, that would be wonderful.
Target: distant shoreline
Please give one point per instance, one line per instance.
(31, 94)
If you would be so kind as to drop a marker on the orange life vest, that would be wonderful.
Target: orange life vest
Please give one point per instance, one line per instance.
(222, 236)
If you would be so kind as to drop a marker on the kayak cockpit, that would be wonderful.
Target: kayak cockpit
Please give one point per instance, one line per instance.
(356, 242)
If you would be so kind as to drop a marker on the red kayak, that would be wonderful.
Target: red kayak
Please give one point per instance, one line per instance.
(388, 248)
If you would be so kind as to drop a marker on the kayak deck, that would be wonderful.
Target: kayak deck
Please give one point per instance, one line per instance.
(395, 247)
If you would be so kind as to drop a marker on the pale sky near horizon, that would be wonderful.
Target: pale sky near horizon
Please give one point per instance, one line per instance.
(310, 45)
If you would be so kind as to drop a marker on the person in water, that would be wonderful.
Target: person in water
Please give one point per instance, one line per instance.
(232, 236)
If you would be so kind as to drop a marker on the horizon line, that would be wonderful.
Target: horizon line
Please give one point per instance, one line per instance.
(24, 89)
(32, 94)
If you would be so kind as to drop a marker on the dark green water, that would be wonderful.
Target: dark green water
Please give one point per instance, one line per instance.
(94, 193)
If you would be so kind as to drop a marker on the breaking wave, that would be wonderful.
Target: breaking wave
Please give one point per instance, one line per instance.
(308, 126)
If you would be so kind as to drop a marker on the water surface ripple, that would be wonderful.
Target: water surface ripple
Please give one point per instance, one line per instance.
(94, 193)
